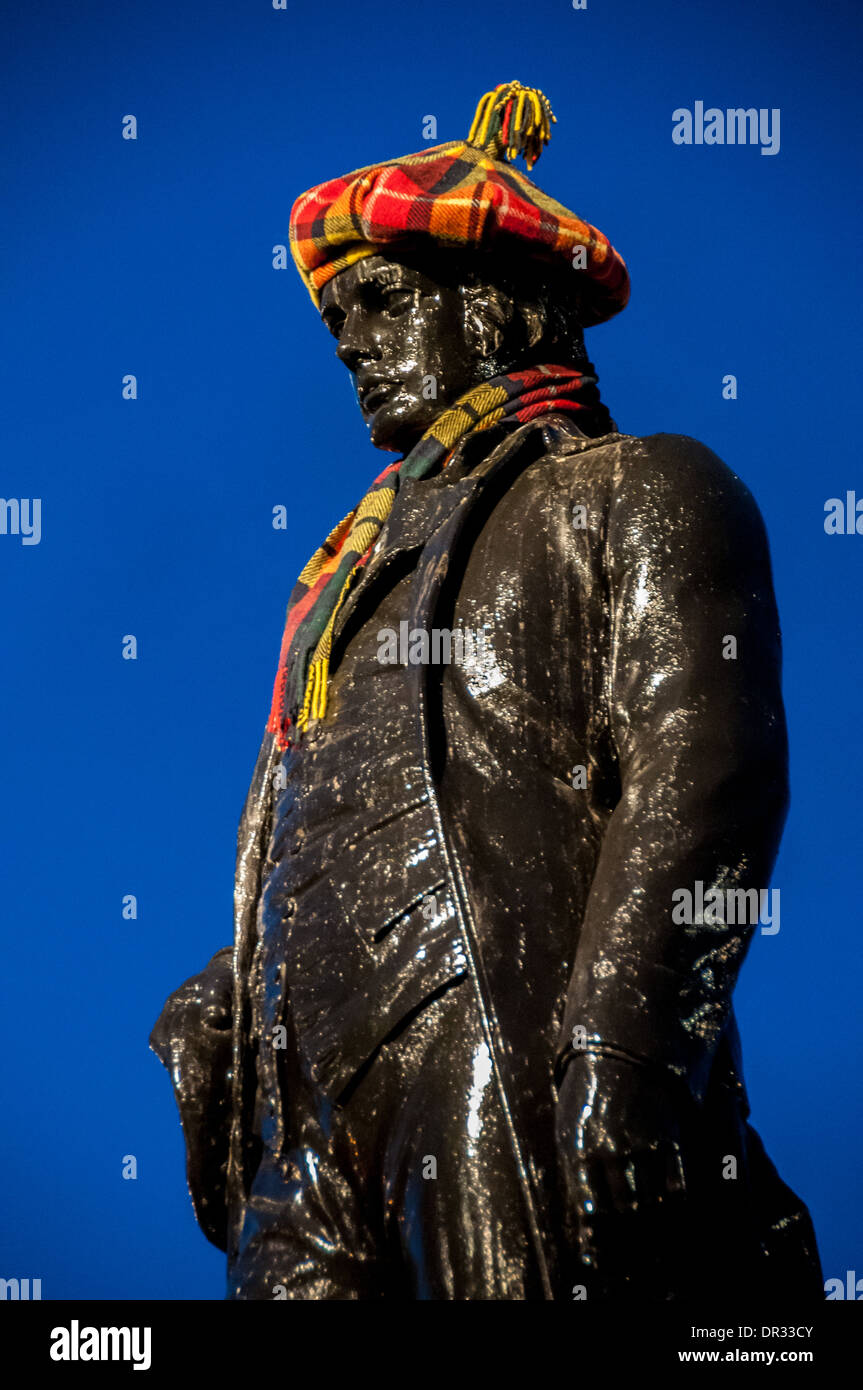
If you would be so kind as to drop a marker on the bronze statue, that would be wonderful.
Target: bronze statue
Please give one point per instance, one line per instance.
(466, 1046)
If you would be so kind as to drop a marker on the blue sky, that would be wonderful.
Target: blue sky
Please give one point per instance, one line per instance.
(154, 257)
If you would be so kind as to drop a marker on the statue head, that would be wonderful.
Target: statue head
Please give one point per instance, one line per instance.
(419, 328)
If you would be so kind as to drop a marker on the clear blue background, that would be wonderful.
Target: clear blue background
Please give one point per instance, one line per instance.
(154, 257)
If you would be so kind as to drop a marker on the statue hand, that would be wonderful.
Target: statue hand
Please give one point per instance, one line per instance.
(622, 1156)
(201, 1003)
(193, 1039)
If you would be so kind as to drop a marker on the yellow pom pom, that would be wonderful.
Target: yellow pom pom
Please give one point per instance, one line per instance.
(512, 120)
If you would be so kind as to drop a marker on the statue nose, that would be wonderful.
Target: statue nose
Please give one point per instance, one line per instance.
(355, 353)
(349, 354)
(356, 342)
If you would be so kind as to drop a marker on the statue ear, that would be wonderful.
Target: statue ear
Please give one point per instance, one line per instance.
(490, 310)
(487, 312)
(534, 320)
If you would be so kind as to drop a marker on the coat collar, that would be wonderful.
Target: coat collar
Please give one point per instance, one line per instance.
(424, 505)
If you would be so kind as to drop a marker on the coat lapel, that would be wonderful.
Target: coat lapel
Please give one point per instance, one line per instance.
(424, 507)
(421, 508)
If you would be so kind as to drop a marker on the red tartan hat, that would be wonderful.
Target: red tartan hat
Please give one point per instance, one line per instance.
(462, 194)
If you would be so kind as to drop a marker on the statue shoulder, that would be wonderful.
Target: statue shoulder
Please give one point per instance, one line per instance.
(672, 486)
(676, 460)
(673, 470)
(670, 483)
(637, 487)
(669, 462)
(671, 474)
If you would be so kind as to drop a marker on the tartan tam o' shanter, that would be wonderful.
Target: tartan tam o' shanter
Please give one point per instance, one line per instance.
(461, 195)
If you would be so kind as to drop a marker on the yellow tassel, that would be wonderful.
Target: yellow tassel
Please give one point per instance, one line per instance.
(526, 115)
(315, 695)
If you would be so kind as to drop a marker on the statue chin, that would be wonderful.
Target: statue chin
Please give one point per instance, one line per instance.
(399, 422)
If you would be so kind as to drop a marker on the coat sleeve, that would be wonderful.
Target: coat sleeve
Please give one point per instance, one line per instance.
(697, 722)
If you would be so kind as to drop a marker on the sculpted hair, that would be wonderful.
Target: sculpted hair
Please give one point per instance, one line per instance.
(526, 280)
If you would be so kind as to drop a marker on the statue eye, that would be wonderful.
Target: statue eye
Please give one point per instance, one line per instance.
(397, 301)
(335, 322)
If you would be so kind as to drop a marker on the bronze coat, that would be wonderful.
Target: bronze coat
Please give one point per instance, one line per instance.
(608, 632)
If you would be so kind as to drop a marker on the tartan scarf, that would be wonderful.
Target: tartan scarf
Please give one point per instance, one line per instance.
(300, 690)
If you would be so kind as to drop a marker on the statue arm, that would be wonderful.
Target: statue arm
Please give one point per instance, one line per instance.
(699, 728)
(697, 722)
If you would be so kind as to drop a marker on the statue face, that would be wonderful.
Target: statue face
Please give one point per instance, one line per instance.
(408, 341)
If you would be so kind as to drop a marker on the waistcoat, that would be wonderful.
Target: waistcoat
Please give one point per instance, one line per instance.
(357, 925)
